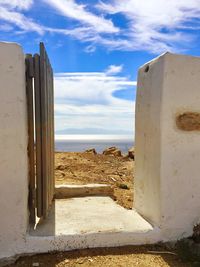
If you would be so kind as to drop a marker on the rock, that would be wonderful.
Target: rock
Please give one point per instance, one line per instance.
(62, 174)
(123, 186)
(91, 150)
(60, 167)
(35, 264)
(131, 153)
(112, 151)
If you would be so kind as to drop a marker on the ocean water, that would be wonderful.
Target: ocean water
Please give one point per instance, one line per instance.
(81, 143)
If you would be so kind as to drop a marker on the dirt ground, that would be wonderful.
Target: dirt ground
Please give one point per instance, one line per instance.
(140, 256)
(85, 168)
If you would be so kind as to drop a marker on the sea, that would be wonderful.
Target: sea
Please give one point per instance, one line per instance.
(79, 143)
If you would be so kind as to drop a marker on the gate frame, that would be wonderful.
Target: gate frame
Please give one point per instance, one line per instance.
(40, 101)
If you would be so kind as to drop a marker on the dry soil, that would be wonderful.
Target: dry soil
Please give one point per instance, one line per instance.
(83, 168)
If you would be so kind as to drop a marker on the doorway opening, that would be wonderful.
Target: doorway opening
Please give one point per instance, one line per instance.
(85, 184)
(94, 168)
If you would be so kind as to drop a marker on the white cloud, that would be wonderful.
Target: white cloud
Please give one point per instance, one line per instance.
(95, 88)
(84, 34)
(11, 12)
(19, 4)
(114, 69)
(6, 27)
(85, 100)
(10, 15)
(118, 119)
(154, 25)
(71, 9)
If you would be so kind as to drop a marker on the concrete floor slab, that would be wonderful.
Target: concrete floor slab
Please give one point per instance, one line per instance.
(89, 222)
(89, 215)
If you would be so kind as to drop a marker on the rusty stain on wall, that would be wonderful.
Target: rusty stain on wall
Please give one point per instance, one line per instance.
(188, 121)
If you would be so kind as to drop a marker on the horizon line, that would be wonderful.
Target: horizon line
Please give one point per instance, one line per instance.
(93, 137)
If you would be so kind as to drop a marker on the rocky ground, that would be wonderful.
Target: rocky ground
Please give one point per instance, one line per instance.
(118, 171)
(88, 167)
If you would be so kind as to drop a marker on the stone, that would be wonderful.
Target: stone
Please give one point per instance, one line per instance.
(123, 186)
(112, 151)
(91, 150)
(60, 167)
(131, 153)
(62, 174)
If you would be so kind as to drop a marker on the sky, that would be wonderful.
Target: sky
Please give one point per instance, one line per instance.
(95, 48)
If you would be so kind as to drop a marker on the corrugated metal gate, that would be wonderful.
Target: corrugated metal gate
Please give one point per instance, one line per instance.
(40, 99)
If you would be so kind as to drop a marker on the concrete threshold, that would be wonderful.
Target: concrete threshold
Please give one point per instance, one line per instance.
(89, 222)
(69, 191)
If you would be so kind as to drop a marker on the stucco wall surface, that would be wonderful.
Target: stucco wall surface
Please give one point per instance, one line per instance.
(167, 184)
(13, 150)
(180, 149)
(147, 140)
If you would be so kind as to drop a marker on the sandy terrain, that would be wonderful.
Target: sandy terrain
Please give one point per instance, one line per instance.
(141, 256)
(84, 168)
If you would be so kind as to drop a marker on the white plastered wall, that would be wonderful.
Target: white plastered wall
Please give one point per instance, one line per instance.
(167, 184)
(167, 179)
(147, 140)
(13, 148)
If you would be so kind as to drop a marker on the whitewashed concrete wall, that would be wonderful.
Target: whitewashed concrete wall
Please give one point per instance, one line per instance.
(13, 150)
(167, 179)
(167, 182)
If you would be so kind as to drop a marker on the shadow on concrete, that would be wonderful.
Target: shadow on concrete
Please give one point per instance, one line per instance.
(45, 227)
(75, 216)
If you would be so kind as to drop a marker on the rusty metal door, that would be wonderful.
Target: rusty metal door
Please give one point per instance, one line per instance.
(40, 100)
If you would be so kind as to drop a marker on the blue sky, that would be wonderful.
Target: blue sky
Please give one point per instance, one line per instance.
(96, 47)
